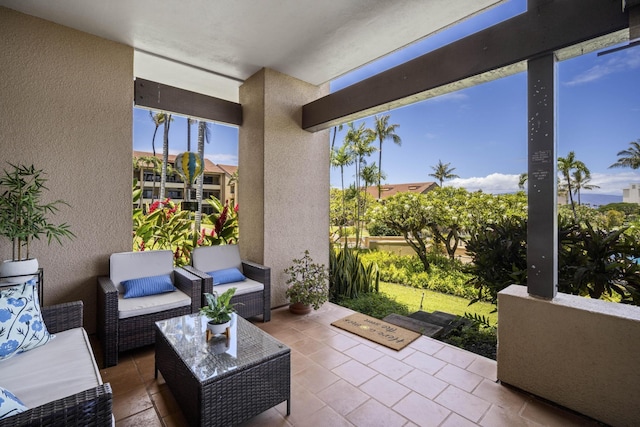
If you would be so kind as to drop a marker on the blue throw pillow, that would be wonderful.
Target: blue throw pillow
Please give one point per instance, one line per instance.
(21, 324)
(145, 286)
(227, 275)
(9, 404)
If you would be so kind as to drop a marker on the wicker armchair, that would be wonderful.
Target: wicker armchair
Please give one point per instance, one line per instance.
(91, 407)
(118, 331)
(252, 296)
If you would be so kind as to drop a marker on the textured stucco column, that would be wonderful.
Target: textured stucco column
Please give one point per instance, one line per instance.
(578, 352)
(66, 107)
(284, 174)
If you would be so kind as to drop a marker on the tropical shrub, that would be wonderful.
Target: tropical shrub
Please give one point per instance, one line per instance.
(592, 262)
(600, 263)
(499, 257)
(164, 225)
(378, 229)
(445, 275)
(221, 226)
(349, 276)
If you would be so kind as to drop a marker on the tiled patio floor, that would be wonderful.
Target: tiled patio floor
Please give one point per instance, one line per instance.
(339, 379)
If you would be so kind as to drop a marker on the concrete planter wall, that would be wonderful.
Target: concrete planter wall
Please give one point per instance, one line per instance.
(574, 351)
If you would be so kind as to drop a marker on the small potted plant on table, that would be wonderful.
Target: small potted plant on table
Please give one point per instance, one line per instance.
(308, 285)
(219, 310)
(23, 217)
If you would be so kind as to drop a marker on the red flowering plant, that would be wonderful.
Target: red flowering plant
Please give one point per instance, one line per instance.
(164, 226)
(220, 227)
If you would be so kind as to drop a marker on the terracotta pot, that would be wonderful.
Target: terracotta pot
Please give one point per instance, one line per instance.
(299, 308)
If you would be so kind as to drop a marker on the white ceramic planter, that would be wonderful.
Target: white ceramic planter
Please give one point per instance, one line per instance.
(218, 329)
(12, 272)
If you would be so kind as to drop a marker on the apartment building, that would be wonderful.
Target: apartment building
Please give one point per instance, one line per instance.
(631, 194)
(217, 181)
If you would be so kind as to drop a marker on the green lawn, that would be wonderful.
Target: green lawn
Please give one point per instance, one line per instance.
(435, 301)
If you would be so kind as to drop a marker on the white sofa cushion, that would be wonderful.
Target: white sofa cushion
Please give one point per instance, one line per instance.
(131, 307)
(245, 287)
(217, 257)
(134, 265)
(61, 368)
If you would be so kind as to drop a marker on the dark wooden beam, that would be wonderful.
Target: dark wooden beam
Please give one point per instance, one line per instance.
(161, 97)
(551, 25)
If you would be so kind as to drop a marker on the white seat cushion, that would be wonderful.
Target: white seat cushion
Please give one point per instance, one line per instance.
(217, 257)
(245, 287)
(131, 307)
(62, 367)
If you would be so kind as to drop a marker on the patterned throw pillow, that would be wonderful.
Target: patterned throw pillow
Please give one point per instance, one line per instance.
(227, 275)
(21, 324)
(9, 404)
(145, 286)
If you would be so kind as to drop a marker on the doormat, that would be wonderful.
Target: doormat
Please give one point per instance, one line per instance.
(375, 330)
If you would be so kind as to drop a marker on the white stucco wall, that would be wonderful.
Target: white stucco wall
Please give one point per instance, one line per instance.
(578, 352)
(66, 107)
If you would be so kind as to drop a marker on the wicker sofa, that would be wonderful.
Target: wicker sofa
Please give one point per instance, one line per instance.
(66, 371)
(125, 324)
(252, 296)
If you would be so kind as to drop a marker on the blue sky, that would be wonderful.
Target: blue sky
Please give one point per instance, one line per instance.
(481, 130)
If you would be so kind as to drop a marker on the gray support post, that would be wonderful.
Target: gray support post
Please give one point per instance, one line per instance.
(542, 232)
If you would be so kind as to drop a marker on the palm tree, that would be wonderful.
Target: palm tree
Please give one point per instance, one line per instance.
(165, 156)
(370, 174)
(143, 162)
(522, 180)
(335, 132)
(581, 182)
(339, 159)
(629, 158)
(359, 142)
(189, 121)
(442, 171)
(383, 131)
(204, 135)
(567, 166)
(158, 119)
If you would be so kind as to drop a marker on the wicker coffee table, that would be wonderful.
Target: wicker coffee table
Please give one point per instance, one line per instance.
(222, 382)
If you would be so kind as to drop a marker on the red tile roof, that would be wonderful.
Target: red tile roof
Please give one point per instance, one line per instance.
(209, 166)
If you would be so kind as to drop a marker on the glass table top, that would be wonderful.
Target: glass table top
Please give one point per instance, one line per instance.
(247, 345)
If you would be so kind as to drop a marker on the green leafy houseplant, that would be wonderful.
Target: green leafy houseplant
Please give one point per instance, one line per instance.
(219, 307)
(23, 216)
(308, 282)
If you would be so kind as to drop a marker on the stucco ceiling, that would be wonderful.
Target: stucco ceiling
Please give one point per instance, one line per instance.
(211, 46)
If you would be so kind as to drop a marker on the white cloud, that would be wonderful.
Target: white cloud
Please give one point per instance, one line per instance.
(613, 183)
(625, 61)
(223, 159)
(504, 183)
(494, 183)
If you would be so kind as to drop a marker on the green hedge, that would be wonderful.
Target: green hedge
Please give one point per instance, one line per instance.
(446, 275)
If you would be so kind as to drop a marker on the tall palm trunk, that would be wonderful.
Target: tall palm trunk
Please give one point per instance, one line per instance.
(202, 127)
(165, 157)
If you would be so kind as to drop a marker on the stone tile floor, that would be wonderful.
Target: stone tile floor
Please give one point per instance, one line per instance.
(339, 379)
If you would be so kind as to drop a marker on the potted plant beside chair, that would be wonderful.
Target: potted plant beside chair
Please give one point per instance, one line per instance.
(23, 217)
(308, 285)
(219, 310)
